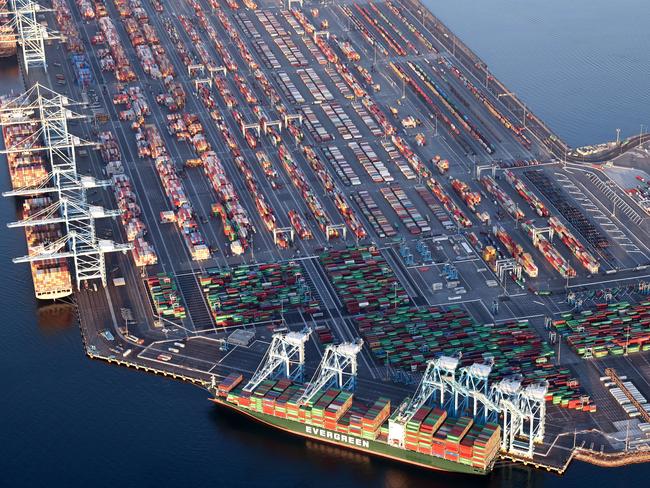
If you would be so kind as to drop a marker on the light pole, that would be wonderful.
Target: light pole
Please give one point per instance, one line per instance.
(641, 135)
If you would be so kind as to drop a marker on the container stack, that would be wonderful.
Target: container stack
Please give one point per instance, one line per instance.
(120, 61)
(136, 107)
(173, 188)
(395, 156)
(135, 229)
(373, 213)
(413, 159)
(82, 71)
(608, 330)
(236, 225)
(165, 296)
(341, 166)
(340, 202)
(68, 26)
(300, 226)
(585, 258)
(144, 39)
(229, 383)
(363, 280)
(434, 207)
(332, 409)
(408, 214)
(367, 158)
(249, 294)
(471, 198)
(299, 180)
(530, 198)
(407, 337)
(174, 97)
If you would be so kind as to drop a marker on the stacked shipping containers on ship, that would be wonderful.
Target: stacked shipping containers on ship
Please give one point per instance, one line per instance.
(51, 276)
(26, 169)
(430, 431)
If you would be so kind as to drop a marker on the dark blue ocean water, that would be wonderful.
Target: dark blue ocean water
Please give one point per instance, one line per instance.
(66, 421)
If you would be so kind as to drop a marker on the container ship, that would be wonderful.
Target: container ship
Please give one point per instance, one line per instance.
(432, 439)
(7, 34)
(51, 277)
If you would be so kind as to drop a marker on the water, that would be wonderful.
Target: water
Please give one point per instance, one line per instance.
(71, 422)
(583, 66)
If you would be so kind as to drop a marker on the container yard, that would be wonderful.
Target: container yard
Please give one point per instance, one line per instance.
(341, 170)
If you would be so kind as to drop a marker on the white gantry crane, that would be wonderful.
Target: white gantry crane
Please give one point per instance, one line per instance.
(285, 357)
(50, 113)
(30, 34)
(338, 367)
(521, 410)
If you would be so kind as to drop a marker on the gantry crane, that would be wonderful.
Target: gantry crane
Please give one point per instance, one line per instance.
(285, 357)
(50, 112)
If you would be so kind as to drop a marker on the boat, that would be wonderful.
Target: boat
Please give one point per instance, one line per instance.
(431, 439)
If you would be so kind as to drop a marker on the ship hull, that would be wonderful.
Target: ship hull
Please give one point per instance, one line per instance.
(366, 446)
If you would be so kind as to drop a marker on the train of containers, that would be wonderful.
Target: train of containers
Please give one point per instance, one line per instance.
(551, 254)
(249, 294)
(609, 329)
(517, 252)
(134, 228)
(471, 198)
